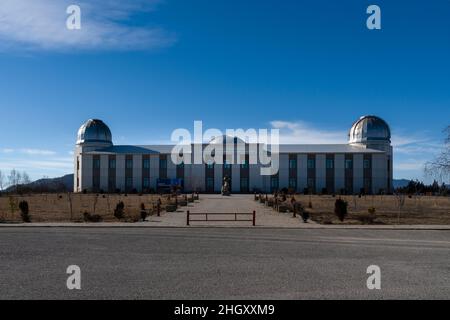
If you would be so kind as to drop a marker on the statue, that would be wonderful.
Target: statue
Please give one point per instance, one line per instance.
(226, 187)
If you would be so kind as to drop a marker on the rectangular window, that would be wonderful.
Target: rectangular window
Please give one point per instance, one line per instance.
(112, 163)
(330, 164)
(96, 163)
(310, 183)
(274, 182)
(244, 184)
(78, 163)
(163, 163)
(348, 164)
(311, 163)
(210, 166)
(146, 183)
(146, 163)
(244, 165)
(293, 183)
(366, 164)
(129, 164)
(293, 164)
(226, 165)
(209, 183)
(129, 182)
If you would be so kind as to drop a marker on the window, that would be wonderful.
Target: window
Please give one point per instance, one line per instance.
(348, 164)
(330, 164)
(112, 163)
(129, 164)
(293, 183)
(226, 165)
(78, 163)
(310, 183)
(146, 163)
(146, 183)
(209, 183)
(274, 182)
(129, 183)
(293, 164)
(210, 166)
(311, 163)
(244, 184)
(244, 164)
(163, 163)
(96, 163)
(366, 164)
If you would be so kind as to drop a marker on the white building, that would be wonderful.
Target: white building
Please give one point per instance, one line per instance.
(363, 165)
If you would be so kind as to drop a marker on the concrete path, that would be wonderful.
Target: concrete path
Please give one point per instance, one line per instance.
(265, 217)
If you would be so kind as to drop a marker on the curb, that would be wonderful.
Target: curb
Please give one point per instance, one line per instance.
(141, 226)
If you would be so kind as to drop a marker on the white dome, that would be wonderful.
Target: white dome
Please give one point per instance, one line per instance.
(94, 131)
(369, 129)
(226, 139)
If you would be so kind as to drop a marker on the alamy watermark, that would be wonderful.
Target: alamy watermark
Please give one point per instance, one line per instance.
(73, 21)
(74, 280)
(374, 280)
(235, 146)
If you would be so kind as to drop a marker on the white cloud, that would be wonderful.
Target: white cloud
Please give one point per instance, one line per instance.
(409, 165)
(38, 152)
(41, 25)
(302, 133)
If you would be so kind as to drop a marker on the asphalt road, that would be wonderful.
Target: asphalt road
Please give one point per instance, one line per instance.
(228, 263)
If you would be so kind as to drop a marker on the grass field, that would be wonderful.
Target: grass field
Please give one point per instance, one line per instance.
(415, 209)
(70, 207)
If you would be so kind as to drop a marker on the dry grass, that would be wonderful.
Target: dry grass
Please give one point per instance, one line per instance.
(415, 210)
(70, 207)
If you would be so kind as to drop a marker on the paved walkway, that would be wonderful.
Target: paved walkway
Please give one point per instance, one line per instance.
(265, 217)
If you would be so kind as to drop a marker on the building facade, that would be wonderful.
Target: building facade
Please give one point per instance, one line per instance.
(364, 165)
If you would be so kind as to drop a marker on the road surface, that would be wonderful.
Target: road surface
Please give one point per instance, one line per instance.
(223, 263)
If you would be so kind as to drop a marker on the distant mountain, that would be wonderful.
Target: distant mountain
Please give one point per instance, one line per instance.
(65, 184)
(400, 183)
(60, 184)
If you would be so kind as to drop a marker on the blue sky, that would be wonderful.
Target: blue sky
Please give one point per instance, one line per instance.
(148, 67)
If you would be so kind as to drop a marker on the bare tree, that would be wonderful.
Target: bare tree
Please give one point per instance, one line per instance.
(440, 166)
(2, 180)
(18, 179)
(25, 178)
(12, 178)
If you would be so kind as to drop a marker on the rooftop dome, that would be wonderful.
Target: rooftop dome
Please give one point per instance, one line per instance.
(94, 131)
(223, 139)
(369, 128)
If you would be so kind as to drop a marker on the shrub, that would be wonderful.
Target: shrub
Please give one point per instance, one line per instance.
(368, 218)
(119, 211)
(23, 206)
(305, 215)
(340, 209)
(171, 208)
(12, 204)
(92, 217)
(143, 212)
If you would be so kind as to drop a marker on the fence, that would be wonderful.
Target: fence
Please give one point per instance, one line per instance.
(207, 215)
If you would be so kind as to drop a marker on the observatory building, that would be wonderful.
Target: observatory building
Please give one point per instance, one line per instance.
(363, 165)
